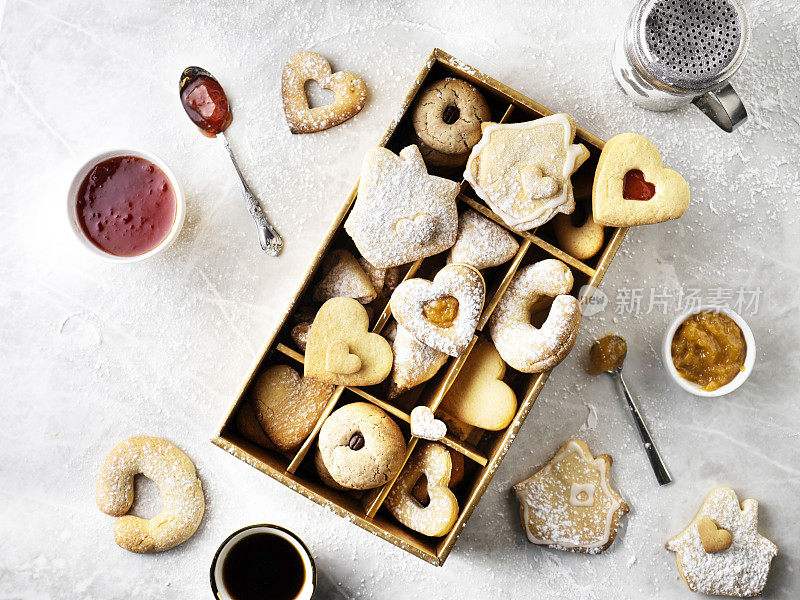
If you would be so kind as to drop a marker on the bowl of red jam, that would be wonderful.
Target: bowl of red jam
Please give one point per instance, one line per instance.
(125, 205)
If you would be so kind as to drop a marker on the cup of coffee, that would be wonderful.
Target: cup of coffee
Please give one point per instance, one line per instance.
(263, 561)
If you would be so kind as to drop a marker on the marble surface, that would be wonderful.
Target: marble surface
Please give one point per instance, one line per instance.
(94, 352)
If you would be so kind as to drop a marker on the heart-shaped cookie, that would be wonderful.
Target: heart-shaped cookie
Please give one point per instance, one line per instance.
(343, 277)
(351, 93)
(633, 187)
(714, 538)
(481, 242)
(419, 230)
(425, 425)
(537, 185)
(479, 396)
(443, 313)
(287, 406)
(343, 323)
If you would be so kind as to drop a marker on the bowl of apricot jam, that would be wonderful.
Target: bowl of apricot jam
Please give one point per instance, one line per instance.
(709, 351)
(125, 205)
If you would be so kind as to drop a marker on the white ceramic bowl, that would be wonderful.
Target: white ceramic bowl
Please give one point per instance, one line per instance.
(72, 205)
(693, 388)
(217, 583)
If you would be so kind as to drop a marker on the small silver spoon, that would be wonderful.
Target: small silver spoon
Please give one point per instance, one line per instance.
(608, 358)
(205, 102)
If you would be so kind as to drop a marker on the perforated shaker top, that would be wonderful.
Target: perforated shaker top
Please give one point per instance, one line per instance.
(691, 43)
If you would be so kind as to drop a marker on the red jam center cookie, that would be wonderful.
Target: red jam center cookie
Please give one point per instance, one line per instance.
(636, 187)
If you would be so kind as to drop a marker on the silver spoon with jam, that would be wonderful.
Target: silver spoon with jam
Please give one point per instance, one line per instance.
(205, 102)
(606, 356)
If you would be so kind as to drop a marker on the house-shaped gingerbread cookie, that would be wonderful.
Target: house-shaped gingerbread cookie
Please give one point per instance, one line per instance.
(721, 551)
(402, 213)
(569, 504)
(522, 170)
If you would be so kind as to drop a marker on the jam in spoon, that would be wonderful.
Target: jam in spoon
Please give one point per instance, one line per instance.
(205, 102)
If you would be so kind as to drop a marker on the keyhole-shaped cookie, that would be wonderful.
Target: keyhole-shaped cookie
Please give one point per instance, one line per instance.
(436, 518)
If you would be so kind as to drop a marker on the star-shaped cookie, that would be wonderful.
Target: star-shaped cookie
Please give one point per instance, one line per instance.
(401, 214)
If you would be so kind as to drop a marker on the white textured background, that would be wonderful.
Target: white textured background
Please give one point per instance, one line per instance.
(92, 353)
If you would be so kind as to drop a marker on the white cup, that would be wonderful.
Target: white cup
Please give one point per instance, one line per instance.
(72, 205)
(693, 388)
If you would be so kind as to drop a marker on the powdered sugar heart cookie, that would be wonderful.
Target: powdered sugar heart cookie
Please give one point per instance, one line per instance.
(432, 461)
(341, 350)
(523, 346)
(401, 214)
(479, 396)
(632, 186)
(351, 93)
(425, 425)
(569, 504)
(481, 242)
(287, 406)
(444, 313)
(721, 551)
(522, 170)
(343, 277)
(414, 362)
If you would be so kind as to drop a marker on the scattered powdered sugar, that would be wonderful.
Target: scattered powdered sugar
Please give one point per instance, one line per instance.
(740, 570)
(481, 242)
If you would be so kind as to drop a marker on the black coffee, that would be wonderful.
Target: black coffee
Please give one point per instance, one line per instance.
(263, 566)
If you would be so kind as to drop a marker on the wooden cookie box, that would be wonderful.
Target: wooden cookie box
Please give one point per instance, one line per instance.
(483, 451)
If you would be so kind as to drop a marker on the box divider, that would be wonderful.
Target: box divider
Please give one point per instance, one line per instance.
(387, 310)
(507, 115)
(501, 289)
(376, 500)
(304, 448)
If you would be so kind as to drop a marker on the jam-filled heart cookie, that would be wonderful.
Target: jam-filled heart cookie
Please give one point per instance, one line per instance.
(343, 277)
(481, 242)
(522, 170)
(414, 362)
(633, 187)
(341, 350)
(287, 406)
(479, 396)
(721, 551)
(401, 213)
(432, 461)
(581, 241)
(447, 119)
(360, 446)
(444, 313)
(569, 504)
(182, 499)
(527, 348)
(351, 93)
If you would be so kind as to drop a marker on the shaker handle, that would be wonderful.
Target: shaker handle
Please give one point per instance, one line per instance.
(723, 106)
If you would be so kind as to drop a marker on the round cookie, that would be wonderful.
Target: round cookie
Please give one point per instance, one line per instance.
(581, 242)
(181, 494)
(360, 446)
(447, 119)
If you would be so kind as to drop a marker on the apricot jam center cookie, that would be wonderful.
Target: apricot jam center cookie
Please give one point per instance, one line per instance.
(401, 213)
(447, 326)
(442, 311)
(351, 93)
